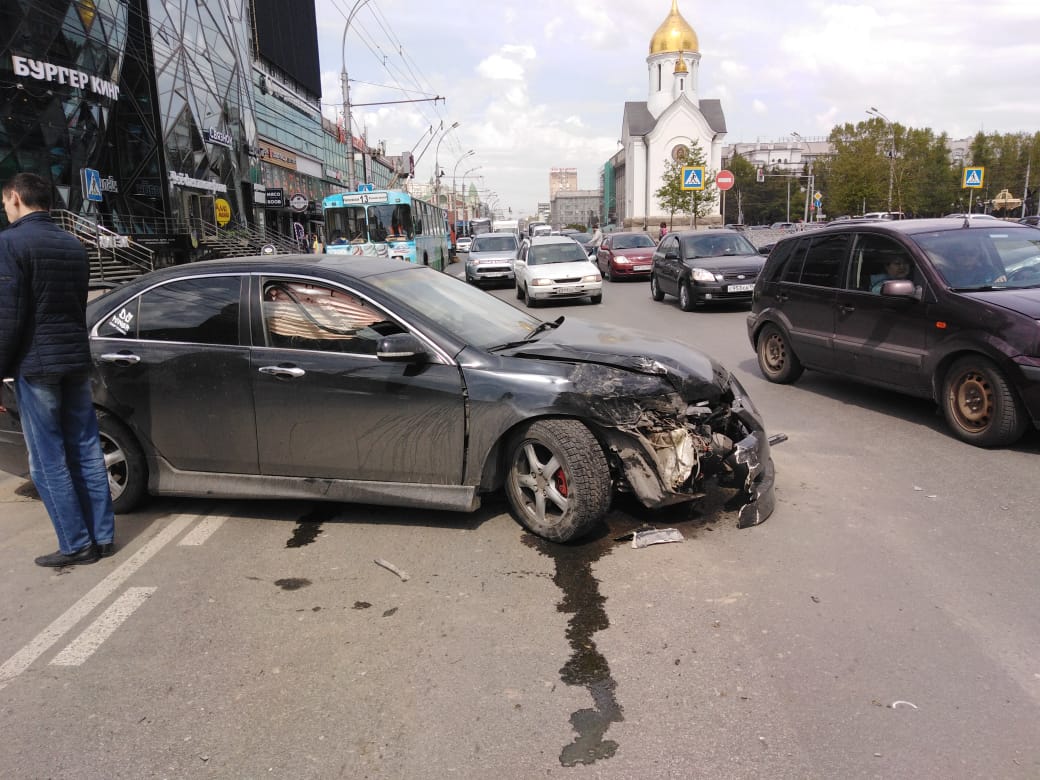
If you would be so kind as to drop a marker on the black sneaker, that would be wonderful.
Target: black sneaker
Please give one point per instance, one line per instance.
(88, 554)
(105, 550)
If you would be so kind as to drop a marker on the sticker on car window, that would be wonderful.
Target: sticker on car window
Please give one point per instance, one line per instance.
(121, 321)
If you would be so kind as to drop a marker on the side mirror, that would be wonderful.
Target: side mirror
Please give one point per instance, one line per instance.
(765, 250)
(899, 288)
(401, 348)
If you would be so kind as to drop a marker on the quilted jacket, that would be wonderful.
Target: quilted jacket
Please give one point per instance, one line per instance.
(44, 275)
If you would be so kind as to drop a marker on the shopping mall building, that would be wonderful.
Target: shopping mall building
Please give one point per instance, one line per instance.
(191, 128)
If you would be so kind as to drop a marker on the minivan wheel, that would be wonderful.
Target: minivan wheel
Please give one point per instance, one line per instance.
(558, 480)
(685, 297)
(124, 462)
(776, 359)
(980, 405)
(655, 288)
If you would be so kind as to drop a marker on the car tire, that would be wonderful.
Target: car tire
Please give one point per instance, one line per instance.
(776, 360)
(558, 482)
(655, 288)
(519, 291)
(980, 405)
(124, 462)
(597, 298)
(529, 302)
(686, 297)
(607, 274)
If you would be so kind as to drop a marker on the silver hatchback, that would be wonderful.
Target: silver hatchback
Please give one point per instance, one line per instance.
(491, 257)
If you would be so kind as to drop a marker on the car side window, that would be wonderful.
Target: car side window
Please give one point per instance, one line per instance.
(823, 260)
(201, 310)
(877, 259)
(299, 315)
(789, 256)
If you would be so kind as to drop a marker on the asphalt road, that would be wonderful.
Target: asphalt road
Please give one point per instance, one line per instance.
(881, 624)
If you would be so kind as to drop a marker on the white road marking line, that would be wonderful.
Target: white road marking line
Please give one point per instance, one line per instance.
(24, 658)
(83, 646)
(200, 533)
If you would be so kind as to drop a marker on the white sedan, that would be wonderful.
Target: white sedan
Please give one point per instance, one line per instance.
(550, 268)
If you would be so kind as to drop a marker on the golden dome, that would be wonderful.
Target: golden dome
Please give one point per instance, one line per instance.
(680, 65)
(674, 34)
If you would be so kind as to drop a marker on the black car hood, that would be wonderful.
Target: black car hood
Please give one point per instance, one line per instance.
(689, 371)
(1025, 302)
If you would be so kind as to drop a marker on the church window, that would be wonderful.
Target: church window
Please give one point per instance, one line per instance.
(658, 78)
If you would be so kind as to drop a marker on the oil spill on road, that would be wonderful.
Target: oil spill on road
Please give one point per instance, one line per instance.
(587, 606)
(309, 526)
(586, 666)
(292, 583)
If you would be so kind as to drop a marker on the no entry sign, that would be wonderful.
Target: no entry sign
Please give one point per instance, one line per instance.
(724, 180)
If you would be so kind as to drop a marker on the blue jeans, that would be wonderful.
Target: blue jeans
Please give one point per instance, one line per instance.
(65, 458)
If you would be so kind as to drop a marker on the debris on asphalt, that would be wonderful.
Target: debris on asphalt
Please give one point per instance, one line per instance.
(390, 567)
(815, 599)
(655, 536)
(901, 703)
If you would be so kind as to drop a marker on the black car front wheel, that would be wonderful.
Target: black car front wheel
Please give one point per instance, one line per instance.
(558, 482)
(125, 463)
(686, 301)
(980, 405)
(655, 288)
(776, 359)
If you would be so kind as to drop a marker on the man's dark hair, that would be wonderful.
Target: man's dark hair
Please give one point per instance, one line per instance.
(33, 190)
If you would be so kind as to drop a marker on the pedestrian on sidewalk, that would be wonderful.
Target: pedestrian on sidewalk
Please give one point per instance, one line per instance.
(44, 278)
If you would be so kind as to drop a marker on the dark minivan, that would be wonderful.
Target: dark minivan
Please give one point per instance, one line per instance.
(937, 308)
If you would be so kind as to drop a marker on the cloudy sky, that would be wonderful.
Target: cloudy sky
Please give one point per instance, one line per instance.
(540, 84)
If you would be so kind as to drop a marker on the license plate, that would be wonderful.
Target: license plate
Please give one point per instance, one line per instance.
(567, 290)
(740, 288)
(641, 268)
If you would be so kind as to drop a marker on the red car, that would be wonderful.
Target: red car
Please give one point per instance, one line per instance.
(625, 255)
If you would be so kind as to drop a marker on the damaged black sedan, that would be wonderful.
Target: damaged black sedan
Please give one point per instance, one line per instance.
(375, 381)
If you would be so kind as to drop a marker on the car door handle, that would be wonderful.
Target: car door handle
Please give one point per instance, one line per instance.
(845, 308)
(283, 372)
(122, 358)
(781, 297)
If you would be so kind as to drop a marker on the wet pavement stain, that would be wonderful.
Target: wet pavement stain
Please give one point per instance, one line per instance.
(292, 583)
(309, 526)
(587, 666)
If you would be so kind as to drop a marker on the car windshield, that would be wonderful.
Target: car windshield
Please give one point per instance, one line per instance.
(568, 252)
(716, 246)
(476, 317)
(581, 238)
(633, 242)
(993, 258)
(493, 244)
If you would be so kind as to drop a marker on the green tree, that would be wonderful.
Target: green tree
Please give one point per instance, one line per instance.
(674, 199)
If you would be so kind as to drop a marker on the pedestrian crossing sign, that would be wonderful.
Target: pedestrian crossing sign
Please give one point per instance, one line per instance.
(692, 178)
(90, 179)
(973, 178)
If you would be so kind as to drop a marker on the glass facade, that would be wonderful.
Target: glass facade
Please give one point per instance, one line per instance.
(158, 119)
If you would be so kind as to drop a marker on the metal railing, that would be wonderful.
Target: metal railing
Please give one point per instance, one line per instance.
(114, 257)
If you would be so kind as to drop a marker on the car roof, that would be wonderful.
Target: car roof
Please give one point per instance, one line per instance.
(543, 240)
(498, 234)
(910, 226)
(714, 233)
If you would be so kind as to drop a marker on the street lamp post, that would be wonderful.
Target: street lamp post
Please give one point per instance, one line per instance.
(437, 165)
(891, 150)
(810, 184)
(465, 206)
(345, 84)
(454, 170)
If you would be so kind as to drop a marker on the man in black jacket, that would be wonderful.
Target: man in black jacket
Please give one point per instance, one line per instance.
(44, 276)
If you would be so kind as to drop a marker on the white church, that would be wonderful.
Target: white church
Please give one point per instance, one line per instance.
(673, 117)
